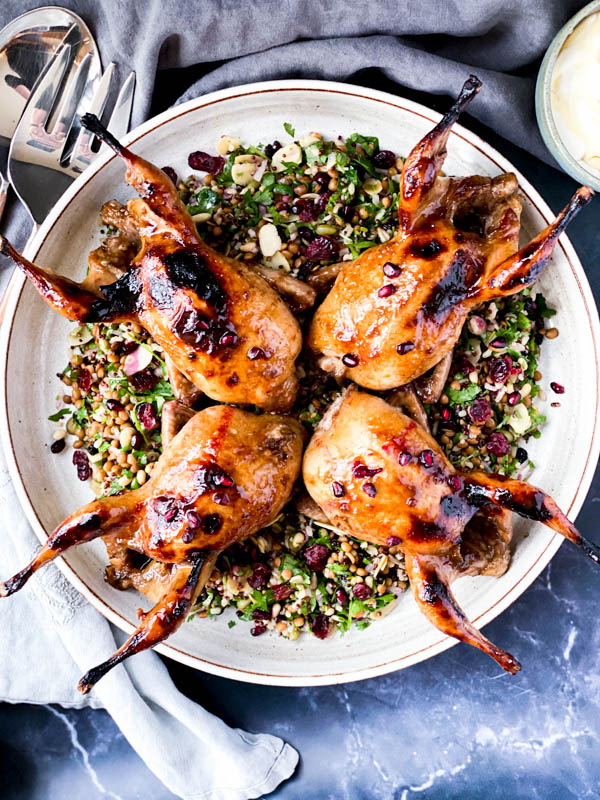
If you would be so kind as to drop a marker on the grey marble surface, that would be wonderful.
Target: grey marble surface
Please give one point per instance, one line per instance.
(453, 727)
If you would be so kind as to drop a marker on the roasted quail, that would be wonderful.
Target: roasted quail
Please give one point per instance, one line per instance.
(224, 476)
(398, 309)
(219, 321)
(379, 476)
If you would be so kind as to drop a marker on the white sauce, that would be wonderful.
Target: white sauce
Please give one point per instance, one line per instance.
(575, 93)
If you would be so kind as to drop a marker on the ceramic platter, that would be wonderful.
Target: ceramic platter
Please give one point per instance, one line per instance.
(33, 348)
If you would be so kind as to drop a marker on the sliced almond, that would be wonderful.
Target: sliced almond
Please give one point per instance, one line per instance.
(279, 261)
(269, 240)
(372, 186)
(312, 138)
(290, 154)
(244, 167)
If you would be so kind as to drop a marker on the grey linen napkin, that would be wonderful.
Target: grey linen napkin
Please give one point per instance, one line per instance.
(428, 45)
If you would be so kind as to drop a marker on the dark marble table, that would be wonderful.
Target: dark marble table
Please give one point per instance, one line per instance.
(453, 727)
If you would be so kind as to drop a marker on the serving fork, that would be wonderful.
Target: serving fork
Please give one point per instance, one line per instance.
(49, 148)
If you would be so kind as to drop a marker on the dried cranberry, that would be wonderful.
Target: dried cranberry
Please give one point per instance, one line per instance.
(557, 388)
(338, 489)
(426, 458)
(387, 290)
(282, 591)
(258, 614)
(84, 380)
(271, 149)
(480, 410)
(114, 405)
(306, 209)
(342, 597)
(306, 233)
(206, 163)
(403, 459)
(171, 173)
(143, 381)
(260, 573)
(81, 461)
(391, 270)
(323, 248)
(384, 159)
(321, 202)
(147, 417)
(521, 455)
(369, 489)
(137, 441)
(57, 446)
(212, 523)
(256, 352)
(393, 541)
(257, 630)
(316, 556)
(463, 365)
(500, 368)
(498, 444)
(361, 591)
(350, 359)
(347, 213)
(513, 398)
(405, 347)
(322, 178)
(319, 625)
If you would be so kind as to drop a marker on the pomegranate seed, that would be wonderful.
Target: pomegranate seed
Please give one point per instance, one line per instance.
(360, 471)
(319, 625)
(342, 597)
(316, 556)
(322, 178)
(113, 405)
(391, 270)
(344, 506)
(227, 338)
(222, 498)
(223, 479)
(521, 455)
(480, 410)
(187, 536)
(498, 343)
(136, 441)
(338, 489)
(403, 459)
(426, 458)
(171, 513)
(260, 573)
(446, 414)
(361, 591)
(282, 591)
(257, 630)
(204, 162)
(498, 444)
(271, 149)
(212, 523)
(405, 348)
(557, 388)
(260, 614)
(513, 398)
(57, 446)
(147, 417)
(386, 290)
(369, 488)
(171, 173)
(393, 541)
(350, 360)
(256, 352)
(384, 159)
(454, 482)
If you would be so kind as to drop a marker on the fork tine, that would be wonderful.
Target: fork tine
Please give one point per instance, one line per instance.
(71, 97)
(118, 123)
(81, 148)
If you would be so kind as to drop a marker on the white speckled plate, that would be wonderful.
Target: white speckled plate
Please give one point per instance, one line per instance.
(33, 349)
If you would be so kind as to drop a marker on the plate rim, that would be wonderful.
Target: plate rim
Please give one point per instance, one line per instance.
(18, 282)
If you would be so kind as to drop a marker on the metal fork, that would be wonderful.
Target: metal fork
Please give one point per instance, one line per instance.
(49, 148)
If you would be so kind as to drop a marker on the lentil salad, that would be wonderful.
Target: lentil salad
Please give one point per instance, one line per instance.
(297, 207)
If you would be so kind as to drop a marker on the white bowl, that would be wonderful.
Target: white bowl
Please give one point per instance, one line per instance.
(34, 349)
